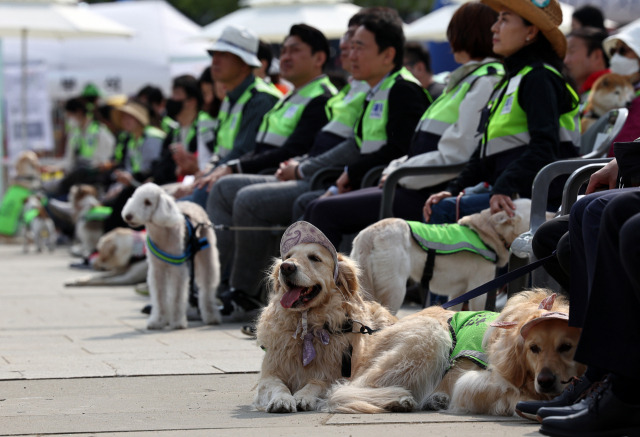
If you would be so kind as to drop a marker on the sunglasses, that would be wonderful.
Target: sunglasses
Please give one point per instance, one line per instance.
(622, 50)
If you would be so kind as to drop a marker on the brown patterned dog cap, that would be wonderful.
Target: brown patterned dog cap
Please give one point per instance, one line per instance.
(302, 232)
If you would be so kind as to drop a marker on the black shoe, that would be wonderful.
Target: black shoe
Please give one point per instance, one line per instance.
(238, 307)
(570, 394)
(605, 415)
(249, 330)
(581, 403)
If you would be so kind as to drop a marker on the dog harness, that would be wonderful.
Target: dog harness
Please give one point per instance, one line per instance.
(467, 329)
(98, 213)
(446, 239)
(193, 245)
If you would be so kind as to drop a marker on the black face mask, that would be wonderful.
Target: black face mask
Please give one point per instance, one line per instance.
(174, 107)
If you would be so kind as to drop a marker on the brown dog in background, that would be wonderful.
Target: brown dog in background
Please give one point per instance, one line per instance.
(609, 91)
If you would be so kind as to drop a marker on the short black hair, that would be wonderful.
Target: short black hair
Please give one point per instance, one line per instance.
(589, 16)
(76, 104)
(386, 26)
(190, 86)
(205, 76)
(152, 94)
(265, 53)
(313, 37)
(415, 52)
(358, 18)
(593, 38)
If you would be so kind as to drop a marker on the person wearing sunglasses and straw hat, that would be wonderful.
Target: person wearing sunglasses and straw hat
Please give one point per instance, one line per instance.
(531, 120)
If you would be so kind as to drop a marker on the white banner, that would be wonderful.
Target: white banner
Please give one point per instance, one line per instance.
(37, 116)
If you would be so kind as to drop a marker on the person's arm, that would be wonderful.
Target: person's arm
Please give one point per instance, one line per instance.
(252, 115)
(541, 95)
(299, 142)
(345, 153)
(407, 102)
(458, 141)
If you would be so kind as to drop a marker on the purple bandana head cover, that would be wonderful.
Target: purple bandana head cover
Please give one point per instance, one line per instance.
(305, 233)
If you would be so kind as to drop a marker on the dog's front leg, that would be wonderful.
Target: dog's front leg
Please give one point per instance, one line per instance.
(274, 396)
(157, 292)
(308, 396)
(483, 392)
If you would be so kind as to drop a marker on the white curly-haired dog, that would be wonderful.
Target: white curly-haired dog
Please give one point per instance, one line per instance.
(168, 226)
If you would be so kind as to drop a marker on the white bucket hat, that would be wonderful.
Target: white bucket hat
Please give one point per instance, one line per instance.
(629, 34)
(241, 42)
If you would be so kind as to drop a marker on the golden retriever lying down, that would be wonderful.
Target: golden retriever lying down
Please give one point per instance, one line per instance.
(529, 347)
(306, 329)
(389, 255)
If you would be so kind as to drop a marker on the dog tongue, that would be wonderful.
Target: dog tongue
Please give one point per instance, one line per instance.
(290, 297)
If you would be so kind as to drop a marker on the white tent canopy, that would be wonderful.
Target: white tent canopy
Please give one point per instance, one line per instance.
(271, 19)
(161, 48)
(433, 26)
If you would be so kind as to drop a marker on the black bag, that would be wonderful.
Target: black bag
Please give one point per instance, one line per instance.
(628, 157)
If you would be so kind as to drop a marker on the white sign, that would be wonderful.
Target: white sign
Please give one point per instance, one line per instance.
(36, 117)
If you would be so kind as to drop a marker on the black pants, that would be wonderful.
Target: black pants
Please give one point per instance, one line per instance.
(550, 236)
(610, 333)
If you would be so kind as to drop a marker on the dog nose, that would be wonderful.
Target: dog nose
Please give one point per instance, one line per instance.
(128, 217)
(546, 379)
(287, 268)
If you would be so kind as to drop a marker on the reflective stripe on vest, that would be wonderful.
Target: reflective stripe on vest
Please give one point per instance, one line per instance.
(467, 329)
(345, 108)
(508, 129)
(280, 122)
(88, 140)
(230, 116)
(445, 111)
(376, 114)
(450, 238)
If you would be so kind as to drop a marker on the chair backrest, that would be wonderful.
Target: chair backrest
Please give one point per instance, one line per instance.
(595, 142)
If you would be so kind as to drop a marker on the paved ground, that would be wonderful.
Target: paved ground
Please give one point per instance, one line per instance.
(79, 361)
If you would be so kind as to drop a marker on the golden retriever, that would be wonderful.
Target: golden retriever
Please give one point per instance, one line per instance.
(27, 169)
(388, 255)
(122, 253)
(529, 347)
(306, 329)
(609, 91)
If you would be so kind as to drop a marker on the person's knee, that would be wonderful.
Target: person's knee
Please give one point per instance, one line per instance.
(443, 211)
(545, 239)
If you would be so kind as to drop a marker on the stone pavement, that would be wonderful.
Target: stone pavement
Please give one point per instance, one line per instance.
(80, 361)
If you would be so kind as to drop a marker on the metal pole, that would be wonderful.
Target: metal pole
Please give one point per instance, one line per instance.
(23, 89)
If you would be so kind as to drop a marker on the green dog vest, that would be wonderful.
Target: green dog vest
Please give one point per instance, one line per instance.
(467, 329)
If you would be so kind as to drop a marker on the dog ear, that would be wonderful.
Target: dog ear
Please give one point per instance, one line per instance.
(166, 213)
(511, 359)
(347, 276)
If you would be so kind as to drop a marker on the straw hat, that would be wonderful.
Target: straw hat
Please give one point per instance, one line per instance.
(137, 111)
(546, 15)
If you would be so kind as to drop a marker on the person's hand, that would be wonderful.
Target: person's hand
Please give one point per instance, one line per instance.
(432, 200)
(287, 170)
(343, 184)
(501, 202)
(124, 177)
(605, 178)
(213, 177)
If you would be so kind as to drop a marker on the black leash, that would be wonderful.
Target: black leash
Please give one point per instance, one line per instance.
(498, 282)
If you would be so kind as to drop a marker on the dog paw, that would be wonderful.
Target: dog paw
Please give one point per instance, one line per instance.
(404, 404)
(282, 404)
(305, 403)
(179, 324)
(156, 324)
(437, 401)
(211, 317)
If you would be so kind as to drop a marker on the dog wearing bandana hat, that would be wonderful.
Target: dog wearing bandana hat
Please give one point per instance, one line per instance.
(466, 362)
(316, 325)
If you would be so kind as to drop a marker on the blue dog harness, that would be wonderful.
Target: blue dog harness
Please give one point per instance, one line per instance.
(193, 245)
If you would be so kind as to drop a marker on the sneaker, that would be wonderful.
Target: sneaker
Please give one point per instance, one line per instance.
(571, 393)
